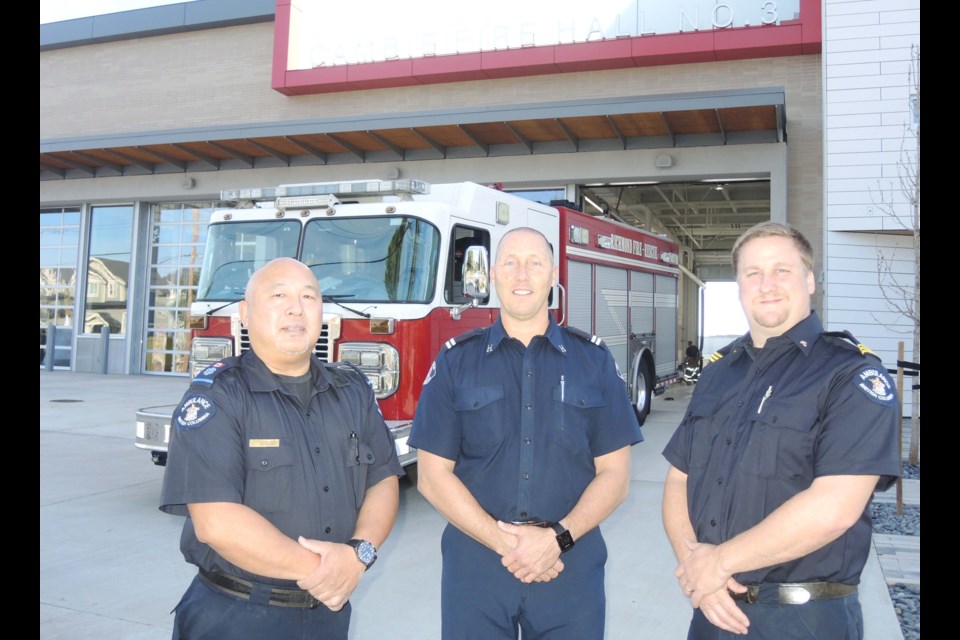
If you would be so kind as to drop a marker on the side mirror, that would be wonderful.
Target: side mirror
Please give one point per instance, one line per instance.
(476, 273)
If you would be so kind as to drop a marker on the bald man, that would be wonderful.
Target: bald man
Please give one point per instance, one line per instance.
(286, 472)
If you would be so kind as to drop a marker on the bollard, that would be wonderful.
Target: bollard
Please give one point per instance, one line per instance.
(104, 347)
(49, 354)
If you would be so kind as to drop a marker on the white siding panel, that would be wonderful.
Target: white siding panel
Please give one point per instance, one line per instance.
(855, 172)
(847, 70)
(855, 146)
(859, 81)
(905, 144)
(859, 57)
(895, 93)
(907, 15)
(853, 20)
(855, 95)
(842, 7)
(869, 120)
(895, 29)
(875, 106)
(856, 44)
(835, 223)
(853, 159)
(871, 196)
(840, 185)
(863, 133)
(899, 41)
(863, 245)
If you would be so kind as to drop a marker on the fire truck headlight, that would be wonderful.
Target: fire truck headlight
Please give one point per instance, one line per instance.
(206, 351)
(380, 362)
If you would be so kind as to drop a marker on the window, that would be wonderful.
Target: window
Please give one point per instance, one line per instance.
(111, 236)
(59, 244)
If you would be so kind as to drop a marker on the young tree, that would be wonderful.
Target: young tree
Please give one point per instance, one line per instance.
(905, 299)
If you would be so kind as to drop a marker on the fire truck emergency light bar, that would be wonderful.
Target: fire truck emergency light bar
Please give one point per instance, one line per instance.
(319, 193)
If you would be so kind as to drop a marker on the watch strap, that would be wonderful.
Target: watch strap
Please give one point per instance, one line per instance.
(564, 537)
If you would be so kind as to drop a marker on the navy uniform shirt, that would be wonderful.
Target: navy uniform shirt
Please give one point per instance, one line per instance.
(760, 429)
(524, 423)
(238, 436)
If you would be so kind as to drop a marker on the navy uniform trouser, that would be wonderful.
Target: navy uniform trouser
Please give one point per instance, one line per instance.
(834, 619)
(481, 600)
(207, 614)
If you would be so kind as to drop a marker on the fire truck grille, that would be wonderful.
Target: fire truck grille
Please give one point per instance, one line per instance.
(322, 350)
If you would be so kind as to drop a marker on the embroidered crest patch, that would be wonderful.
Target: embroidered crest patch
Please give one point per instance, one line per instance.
(876, 385)
(194, 412)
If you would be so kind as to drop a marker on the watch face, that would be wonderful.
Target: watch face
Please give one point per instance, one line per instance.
(366, 552)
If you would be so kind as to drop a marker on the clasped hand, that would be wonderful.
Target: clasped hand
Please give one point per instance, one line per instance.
(532, 552)
(338, 574)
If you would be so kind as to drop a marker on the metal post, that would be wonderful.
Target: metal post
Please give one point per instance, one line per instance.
(104, 347)
(48, 356)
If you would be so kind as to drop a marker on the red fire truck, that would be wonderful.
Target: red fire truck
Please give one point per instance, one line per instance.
(392, 259)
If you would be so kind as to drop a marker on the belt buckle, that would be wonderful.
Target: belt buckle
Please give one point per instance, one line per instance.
(750, 596)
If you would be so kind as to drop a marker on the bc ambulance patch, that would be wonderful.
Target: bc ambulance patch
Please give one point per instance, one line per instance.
(194, 411)
(876, 385)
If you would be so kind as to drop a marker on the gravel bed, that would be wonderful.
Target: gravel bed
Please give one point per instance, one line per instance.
(906, 598)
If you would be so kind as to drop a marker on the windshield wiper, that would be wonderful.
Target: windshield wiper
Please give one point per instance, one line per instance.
(334, 298)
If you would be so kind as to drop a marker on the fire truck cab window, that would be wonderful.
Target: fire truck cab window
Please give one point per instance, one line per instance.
(382, 259)
(461, 238)
(236, 249)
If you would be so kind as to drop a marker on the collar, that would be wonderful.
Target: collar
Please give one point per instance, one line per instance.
(803, 335)
(260, 378)
(498, 334)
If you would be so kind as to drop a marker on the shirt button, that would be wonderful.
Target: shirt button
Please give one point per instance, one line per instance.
(720, 481)
(529, 374)
(740, 403)
(713, 523)
(369, 456)
(729, 441)
(264, 463)
(326, 488)
(327, 530)
(526, 476)
(316, 449)
(523, 514)
(529, 406)
(527, 440)
(309, 413)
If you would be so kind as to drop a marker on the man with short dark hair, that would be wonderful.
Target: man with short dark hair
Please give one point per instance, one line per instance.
(523, 431)
(286, 472)
(786, 437)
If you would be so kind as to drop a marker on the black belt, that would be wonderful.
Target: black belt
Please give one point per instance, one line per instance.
(532, 523)
(796, 593)
(241, 588)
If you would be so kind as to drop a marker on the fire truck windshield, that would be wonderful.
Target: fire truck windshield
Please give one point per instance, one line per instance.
(382, 259)
(235, 250)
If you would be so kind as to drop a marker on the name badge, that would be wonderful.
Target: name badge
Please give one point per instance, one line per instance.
(263, 442)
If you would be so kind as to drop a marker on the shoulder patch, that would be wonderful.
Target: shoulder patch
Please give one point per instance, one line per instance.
(206, 376)
(874, 383)
(463, 337)
(589, 337)
(862, 348)
(431, 373)
(194, 412)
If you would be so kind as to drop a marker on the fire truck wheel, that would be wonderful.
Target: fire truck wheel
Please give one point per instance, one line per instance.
(642, 392)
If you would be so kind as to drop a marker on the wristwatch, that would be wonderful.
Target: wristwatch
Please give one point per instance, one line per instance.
(366, 552)
(564, 539)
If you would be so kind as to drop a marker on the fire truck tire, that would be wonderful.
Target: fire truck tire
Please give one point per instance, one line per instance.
(642, 392)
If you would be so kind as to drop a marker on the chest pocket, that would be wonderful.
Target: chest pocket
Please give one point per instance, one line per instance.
(577, 404)
(782, 441)
(481, 414)
(702, 425)
(269, 478)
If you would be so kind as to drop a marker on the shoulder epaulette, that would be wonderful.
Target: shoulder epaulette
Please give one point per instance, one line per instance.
(862, 348)
(207, 376)
(719, 353)
(463, 337)
(589, 337)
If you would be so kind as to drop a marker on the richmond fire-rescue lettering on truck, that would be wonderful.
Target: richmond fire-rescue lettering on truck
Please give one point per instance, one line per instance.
(392, 259)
